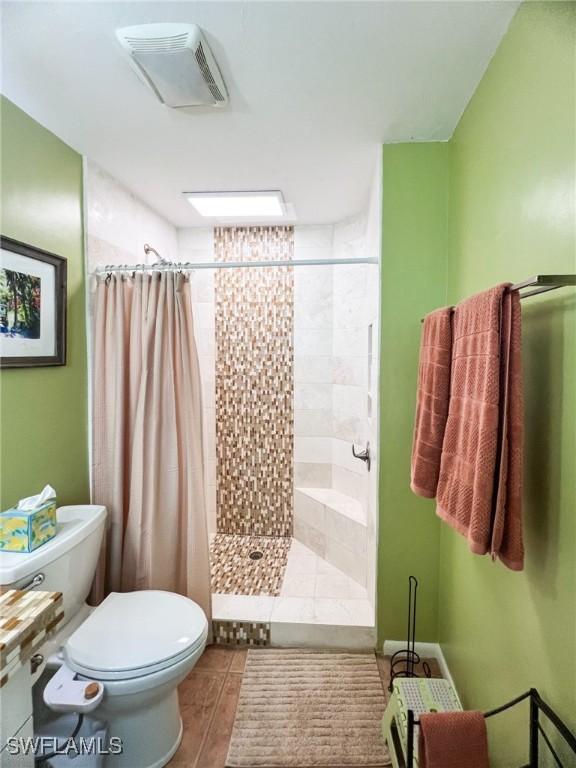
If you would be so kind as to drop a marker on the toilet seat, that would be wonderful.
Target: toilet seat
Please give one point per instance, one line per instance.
(133, 634)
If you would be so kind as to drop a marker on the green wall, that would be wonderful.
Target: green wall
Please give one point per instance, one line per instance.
(496, 203)
(512, 215)
(43, 411)
(415, 186)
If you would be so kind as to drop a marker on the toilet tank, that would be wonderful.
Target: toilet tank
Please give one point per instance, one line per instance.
(66, 563)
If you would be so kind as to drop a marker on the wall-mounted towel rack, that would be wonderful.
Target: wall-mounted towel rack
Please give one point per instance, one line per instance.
(543, 283)
(540, 284)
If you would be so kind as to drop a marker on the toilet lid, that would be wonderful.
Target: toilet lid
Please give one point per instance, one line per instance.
(136, 633)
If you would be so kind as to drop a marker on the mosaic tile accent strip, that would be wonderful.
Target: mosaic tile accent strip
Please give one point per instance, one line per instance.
(252, 633)
(235, 573)
(254, 383)
(26, 620)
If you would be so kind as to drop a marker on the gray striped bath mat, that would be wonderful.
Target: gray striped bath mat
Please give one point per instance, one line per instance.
(309, 709)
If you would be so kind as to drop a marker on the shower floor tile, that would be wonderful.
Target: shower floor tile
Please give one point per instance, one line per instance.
(235, 573)
(317, 606)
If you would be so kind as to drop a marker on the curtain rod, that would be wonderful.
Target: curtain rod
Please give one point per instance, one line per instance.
(189, 266)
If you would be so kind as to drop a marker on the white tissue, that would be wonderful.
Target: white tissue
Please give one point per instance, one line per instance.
(33, 502)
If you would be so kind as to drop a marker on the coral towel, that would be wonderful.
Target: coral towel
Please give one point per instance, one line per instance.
(480, 483)
(431, 401)
(453, 740)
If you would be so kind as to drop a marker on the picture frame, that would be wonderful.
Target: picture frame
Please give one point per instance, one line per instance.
(33, 298)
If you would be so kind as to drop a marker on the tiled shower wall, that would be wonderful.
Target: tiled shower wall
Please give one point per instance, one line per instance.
(118, 224)
(353, 326)
(336, 354)
(333, 308)
(254, 316)
(313, 324)
(335, 319)
(197, 245)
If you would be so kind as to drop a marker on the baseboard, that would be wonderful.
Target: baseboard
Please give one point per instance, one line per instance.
(446, 671)
(424, 650)
(431, 650)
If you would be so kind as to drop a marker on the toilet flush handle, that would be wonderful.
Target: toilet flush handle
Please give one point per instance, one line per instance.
(33, 583)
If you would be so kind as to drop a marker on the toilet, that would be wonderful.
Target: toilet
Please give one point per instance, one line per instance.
(138, 646)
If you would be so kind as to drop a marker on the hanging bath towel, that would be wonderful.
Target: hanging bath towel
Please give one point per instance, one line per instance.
(431, 401)
(480, 484)
(453, 740)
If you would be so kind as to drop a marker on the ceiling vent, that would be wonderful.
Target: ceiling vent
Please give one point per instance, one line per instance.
(174, 60)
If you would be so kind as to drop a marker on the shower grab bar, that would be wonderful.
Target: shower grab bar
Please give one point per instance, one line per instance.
(363, 455)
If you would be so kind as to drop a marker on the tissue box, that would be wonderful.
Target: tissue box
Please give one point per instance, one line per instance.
(22, 531)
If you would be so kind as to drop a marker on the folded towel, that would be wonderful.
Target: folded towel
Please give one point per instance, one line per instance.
(479, 487)
(431, 401)
(453, 740)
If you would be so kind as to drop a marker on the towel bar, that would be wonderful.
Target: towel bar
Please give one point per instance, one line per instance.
(541, 284)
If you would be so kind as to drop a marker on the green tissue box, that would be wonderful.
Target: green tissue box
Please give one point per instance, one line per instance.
(23, 531)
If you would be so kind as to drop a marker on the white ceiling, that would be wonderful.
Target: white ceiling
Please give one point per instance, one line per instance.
(314, 88)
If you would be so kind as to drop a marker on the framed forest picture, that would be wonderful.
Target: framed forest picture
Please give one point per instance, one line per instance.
(32, 306)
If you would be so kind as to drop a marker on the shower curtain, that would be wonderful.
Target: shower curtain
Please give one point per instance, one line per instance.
(147, 438)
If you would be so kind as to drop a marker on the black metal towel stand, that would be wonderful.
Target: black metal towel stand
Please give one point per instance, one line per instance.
(403, 662)
(536, 730)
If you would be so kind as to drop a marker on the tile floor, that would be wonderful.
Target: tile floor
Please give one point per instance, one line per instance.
(314, 595)
(208, 699)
